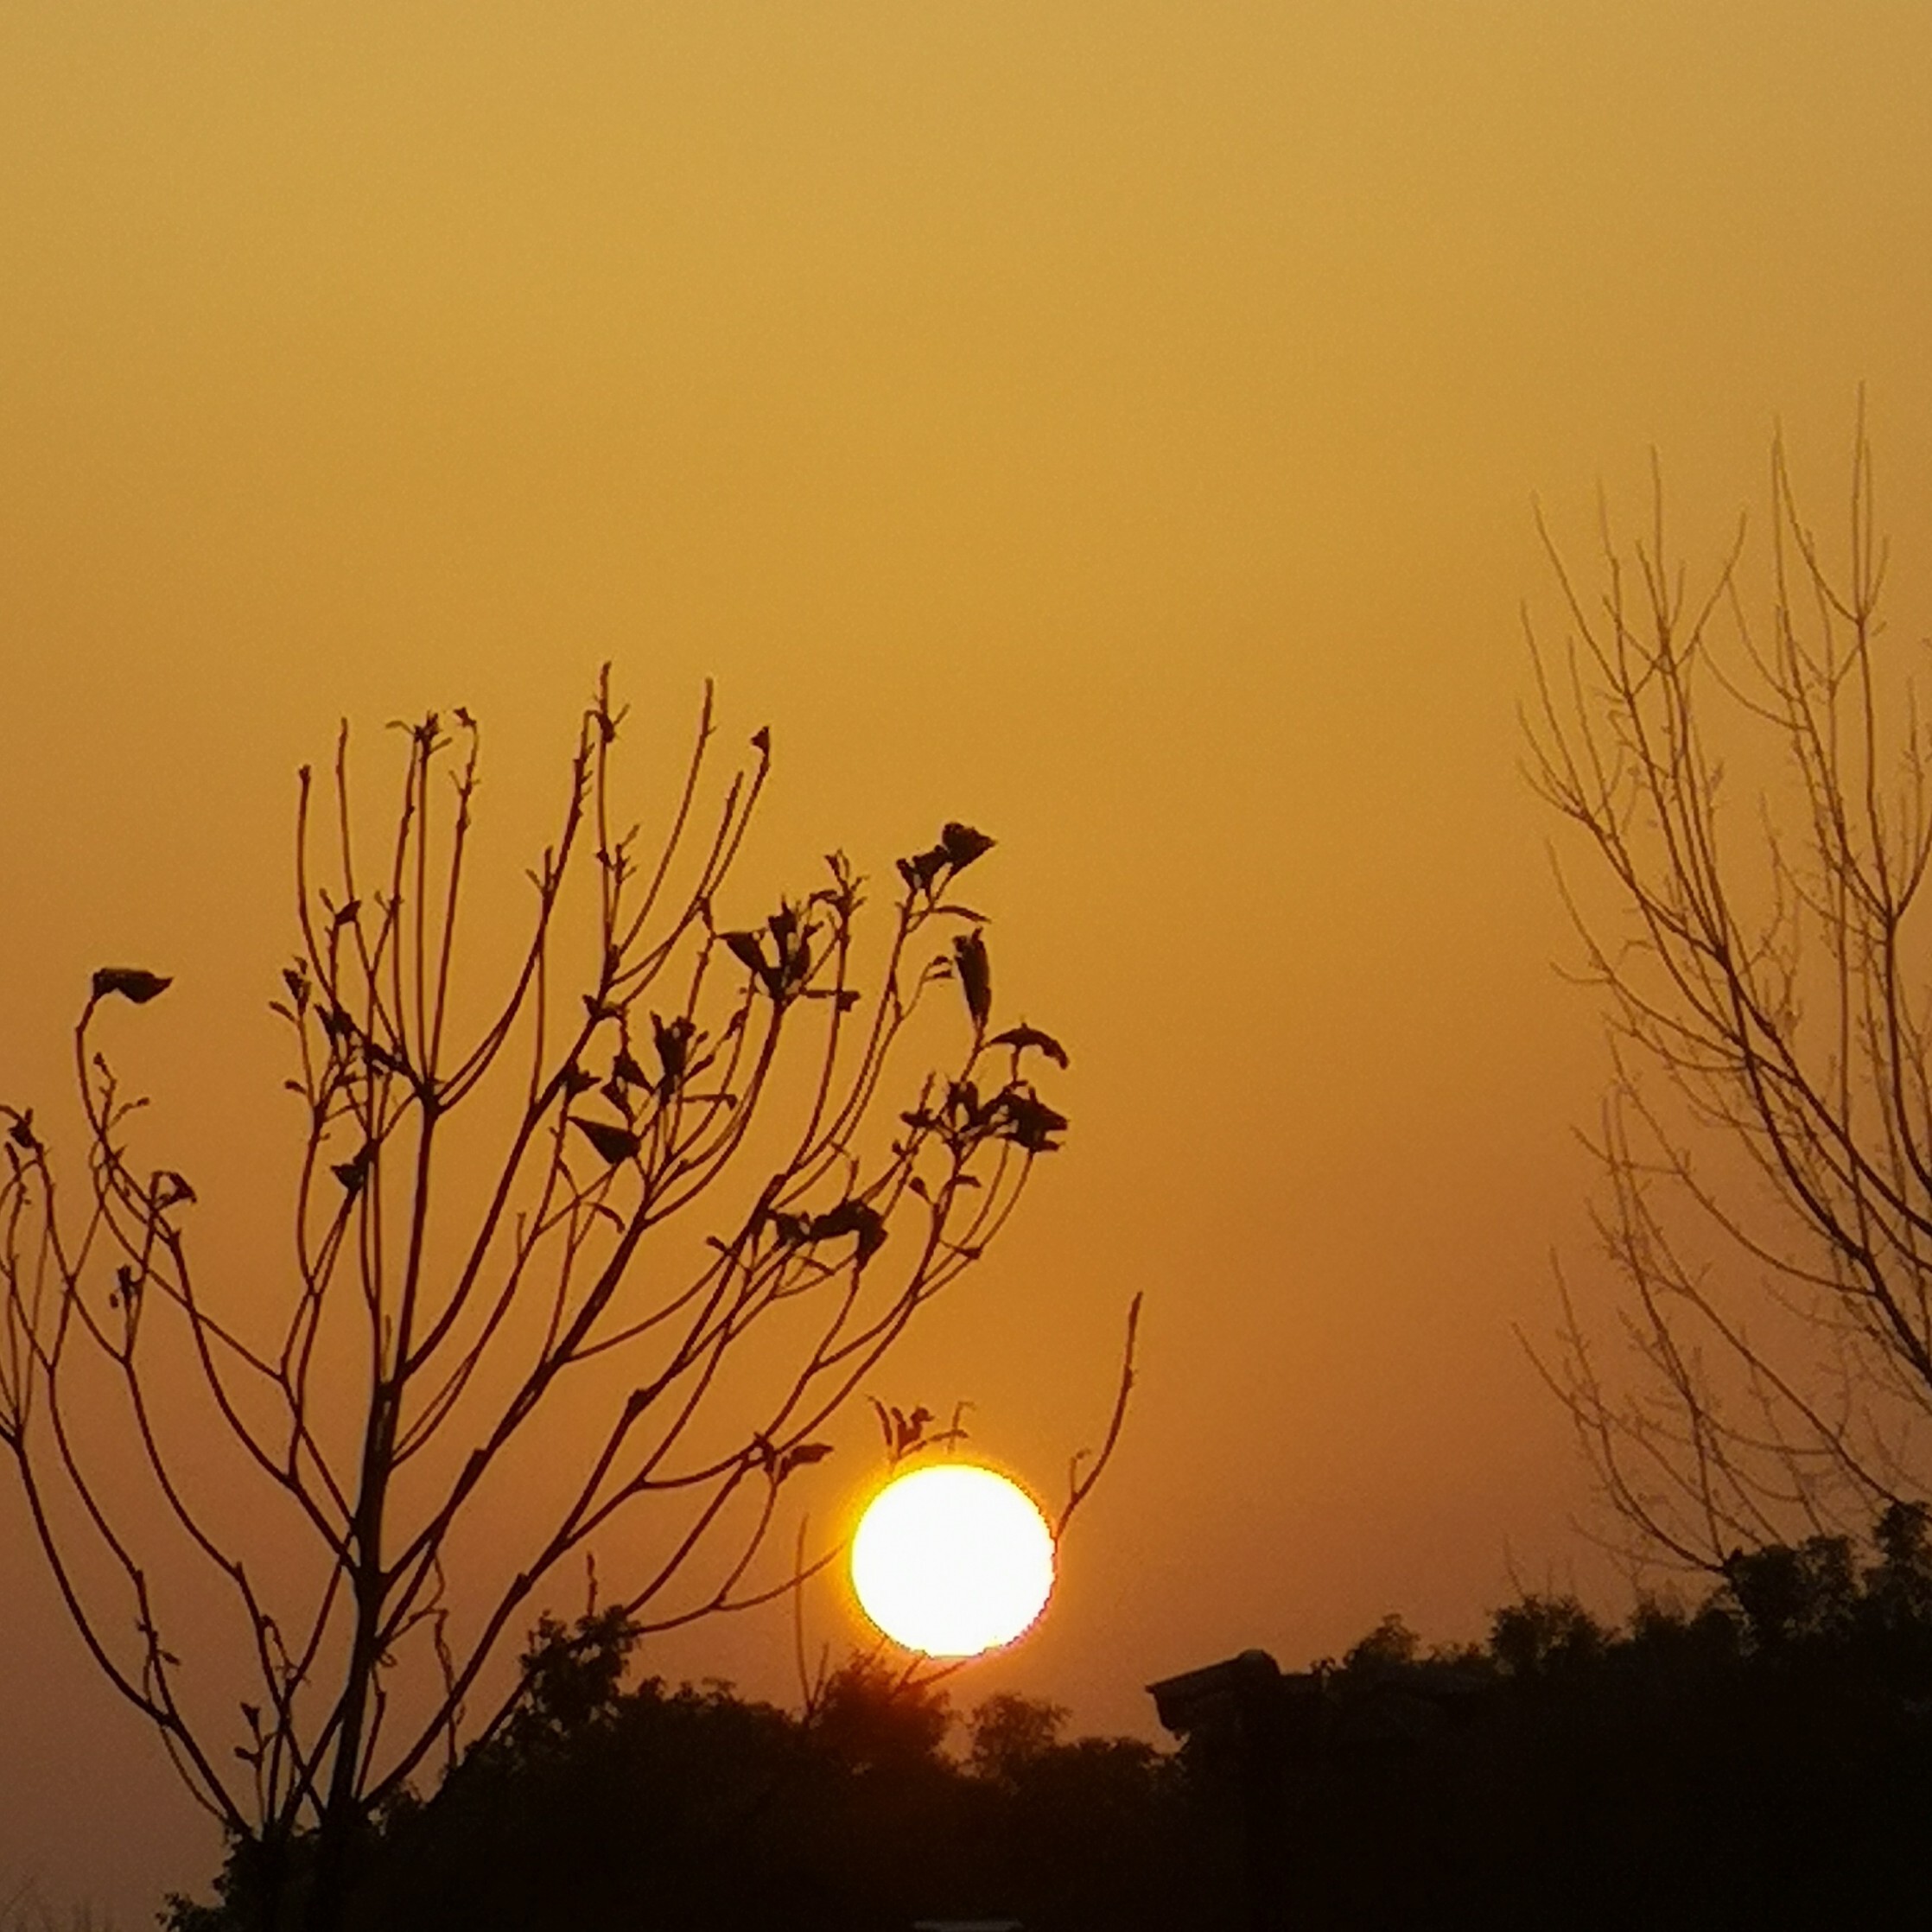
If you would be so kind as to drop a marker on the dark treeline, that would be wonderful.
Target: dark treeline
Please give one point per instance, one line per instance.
(1762, 1758)
(694, 1808)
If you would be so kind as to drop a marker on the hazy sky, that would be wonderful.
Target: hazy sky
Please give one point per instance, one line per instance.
(1112, 422)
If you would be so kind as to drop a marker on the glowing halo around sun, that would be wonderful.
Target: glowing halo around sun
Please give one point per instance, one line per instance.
(951, 1559)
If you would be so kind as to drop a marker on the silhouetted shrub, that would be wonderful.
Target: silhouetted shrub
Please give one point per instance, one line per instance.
(1760, 1760)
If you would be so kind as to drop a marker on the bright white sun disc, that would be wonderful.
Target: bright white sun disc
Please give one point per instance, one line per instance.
(952, 1560)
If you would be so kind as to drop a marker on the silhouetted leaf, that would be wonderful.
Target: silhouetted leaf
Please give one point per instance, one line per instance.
(790, 1229)
(852, 1218)
(131, 982)
(921, 871)
(673, 1041)
(745, 948)
(1028, 1121)
(975, 975)
(903, 1433)
(353, 1174)
(613, 1143)
(799, 1456)
(1021, 1038)
(961, 844)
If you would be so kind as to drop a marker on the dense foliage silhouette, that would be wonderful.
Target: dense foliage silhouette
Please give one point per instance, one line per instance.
(1763, 1760)
(1760, 1759)
(693, 1808)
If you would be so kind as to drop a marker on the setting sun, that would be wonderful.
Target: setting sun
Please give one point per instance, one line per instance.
(952, 1560)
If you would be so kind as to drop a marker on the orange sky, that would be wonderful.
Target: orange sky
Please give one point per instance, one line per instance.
(1113, 422)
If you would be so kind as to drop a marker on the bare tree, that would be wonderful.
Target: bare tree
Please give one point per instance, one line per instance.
(676, 1240)
(1753, 805)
